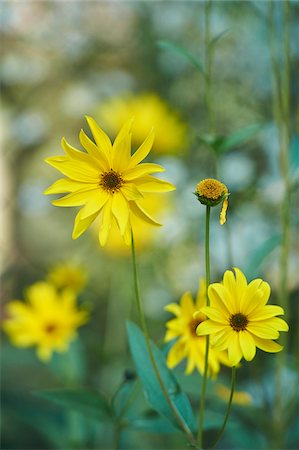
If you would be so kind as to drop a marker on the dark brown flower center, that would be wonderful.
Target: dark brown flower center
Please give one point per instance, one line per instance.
(111, 181)
(238, 322)
(193, 324)
(50, 328)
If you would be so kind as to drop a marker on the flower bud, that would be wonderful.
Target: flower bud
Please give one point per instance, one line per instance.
(211, 192)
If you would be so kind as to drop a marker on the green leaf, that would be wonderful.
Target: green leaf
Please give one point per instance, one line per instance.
(238, 137)
(166, 45)
(219, 38)
(126, 402)
(86, 401)
(150, 382)
(259, 254)
(153, 424)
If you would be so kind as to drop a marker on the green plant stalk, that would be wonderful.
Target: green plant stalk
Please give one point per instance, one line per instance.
(205, 374)
(228, 407)
(208, 64)
(172, 407)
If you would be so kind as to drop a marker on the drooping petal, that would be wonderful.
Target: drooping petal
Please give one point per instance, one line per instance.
(234, 350)
(106, 223)
(81, 225)
(141, 170)
(142, 214)
(76, 198)
(95, 203)
(247, 345)
(131, 192)
(120, 210)
(267, 345)
(144, 149)
(265, 312)
(152, 184)
(100, 137)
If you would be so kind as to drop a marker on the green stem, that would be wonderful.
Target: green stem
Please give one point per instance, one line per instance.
(228, 407)
(208, 64)
(184, 427)
(205, 374)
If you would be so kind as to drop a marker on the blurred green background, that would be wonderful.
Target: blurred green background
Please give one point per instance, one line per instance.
(63, 60)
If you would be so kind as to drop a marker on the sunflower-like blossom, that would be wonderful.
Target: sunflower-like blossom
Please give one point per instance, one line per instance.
(48, 319)
(182, 330)
(239, 319)
(68, 276)
(106, 180)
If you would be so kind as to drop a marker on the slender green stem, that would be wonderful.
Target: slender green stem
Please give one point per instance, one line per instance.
(205, 374)
(228, 407)
(208, 64)
(184, 427)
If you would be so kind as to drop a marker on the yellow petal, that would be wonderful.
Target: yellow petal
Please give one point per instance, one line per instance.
(225, 295)
(106, 223)
(44, 353)
(251, 296)
(175, 355)
(100, 137)
(141, 170)
(223, 212)
(267, 345)
(94, 204)
(144, 149)
(76, 171)
(187, 304)
(131, 192)
(277, 323)
(121, 154)
(81, 225)
(127, 236)
(265, 312)
(173, 308)
(124, 131)
(262, 331)
(240, 279)
(170, 335)
(247, 345)
(77, 198)
(266, 289)
(99, 155)
(215, 315)
(220, 340)
(120, 210)
(234, 350)
(151, 184)
(139, 212)
(216, 300)
(64, 185)
(209, 327)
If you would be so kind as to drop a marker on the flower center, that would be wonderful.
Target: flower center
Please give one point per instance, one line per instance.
(211, 189)
(50, 328)
(111, 181)
(193, 324)
(238, 322)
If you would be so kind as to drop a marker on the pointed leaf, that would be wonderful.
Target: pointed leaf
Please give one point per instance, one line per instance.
(166, 45)
(218, 38)
(238, 137)
(150, 382)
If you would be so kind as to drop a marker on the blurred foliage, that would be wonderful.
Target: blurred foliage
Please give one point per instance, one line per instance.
(62, 60)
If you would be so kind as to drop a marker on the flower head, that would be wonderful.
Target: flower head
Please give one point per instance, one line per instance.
(211, 192)
(68, 276)
(107, 180)
(149, 110)
(239, 319)
(188, 345)
(47, 320)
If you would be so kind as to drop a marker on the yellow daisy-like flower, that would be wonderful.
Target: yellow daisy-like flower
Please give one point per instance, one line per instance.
(69, 276)
(211, 192)
(48, 320)
(149, 111)
(107, 180)
(188, 345)
(239, 319)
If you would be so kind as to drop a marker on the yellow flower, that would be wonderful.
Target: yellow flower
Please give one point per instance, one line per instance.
(240, 397)
(239, 318)
(47, 320)
(149, 110)
(107, 180)
(188, 345)
(68, 276)
(211, 192)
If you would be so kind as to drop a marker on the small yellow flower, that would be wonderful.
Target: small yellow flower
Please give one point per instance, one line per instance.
(241, 398)
(68, 276)
(149, 111)
(239, 319)
(47, 320)
(211, 192)
(107, 180)
(188, 345)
